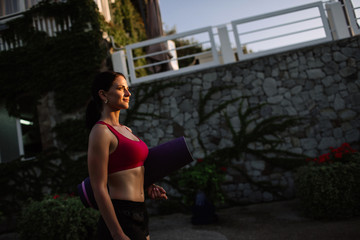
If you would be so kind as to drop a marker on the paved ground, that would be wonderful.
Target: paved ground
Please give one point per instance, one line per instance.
(266, 221)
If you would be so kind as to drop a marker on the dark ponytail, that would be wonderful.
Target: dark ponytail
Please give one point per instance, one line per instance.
(92, 114)
(102, 81)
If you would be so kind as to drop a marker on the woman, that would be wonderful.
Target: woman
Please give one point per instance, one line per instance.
(115, 162)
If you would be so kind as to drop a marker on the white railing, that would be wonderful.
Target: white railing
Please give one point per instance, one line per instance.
(281, 31)
(50, 26)
(207, 43)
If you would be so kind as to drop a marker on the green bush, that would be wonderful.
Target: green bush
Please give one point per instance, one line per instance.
(58, 218)
(21, 180)
(330, 190)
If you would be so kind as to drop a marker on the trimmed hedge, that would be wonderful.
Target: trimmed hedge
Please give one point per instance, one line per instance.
(330, 191)
(58, 218)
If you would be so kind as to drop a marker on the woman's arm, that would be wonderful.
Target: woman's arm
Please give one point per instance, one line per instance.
(98, 157)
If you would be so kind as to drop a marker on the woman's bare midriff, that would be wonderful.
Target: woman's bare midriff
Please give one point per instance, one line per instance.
(127, 185)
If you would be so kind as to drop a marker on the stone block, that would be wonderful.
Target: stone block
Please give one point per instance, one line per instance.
(339, 57)
(348, 114)
(315, 73)
(352, 135)
(326, 143)
(348, 72)
(339, 103)
(308, 143)
(296, 90)
(258, 165)
(275, 99)
(270, 87)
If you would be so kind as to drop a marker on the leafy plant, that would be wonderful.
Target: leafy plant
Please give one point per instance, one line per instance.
(127, 27)
(205, 176)
(330, 189)
(58, 217)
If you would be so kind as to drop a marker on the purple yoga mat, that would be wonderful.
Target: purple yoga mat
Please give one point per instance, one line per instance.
(165, 159)
(161, 161)
(86, 194)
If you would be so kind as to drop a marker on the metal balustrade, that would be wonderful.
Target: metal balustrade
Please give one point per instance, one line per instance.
(281, 31)
(133, 59)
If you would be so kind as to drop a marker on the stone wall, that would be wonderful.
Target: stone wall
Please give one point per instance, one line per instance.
(319, 83)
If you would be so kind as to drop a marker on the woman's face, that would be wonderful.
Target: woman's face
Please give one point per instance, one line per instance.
(118, 95)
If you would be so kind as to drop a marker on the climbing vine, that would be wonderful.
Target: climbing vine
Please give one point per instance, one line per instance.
(258, 136)
(127, 27)
(64, 63)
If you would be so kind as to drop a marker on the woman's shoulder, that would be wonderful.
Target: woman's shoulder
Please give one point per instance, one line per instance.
(99, 127)
(99, 130)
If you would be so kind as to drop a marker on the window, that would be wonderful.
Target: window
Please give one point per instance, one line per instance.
(30, 136)
(18, 137)
(10, 148)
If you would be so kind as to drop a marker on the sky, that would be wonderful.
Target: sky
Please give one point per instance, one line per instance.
(188, 15)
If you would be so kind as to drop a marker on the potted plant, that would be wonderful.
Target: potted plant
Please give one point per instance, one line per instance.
(200, 185)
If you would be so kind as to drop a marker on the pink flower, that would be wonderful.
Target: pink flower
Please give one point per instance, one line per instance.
(56, 196)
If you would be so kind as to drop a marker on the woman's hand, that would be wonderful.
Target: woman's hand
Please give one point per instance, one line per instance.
(156, 192)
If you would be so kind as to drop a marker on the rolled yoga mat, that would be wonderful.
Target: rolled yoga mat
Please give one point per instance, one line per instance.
(160, 162)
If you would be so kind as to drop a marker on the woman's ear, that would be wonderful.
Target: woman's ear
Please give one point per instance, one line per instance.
(102, 95)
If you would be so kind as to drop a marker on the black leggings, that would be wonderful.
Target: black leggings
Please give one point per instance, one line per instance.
(133, 219)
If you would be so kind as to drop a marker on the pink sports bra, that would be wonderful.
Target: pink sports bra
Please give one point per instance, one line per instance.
(128, 153)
